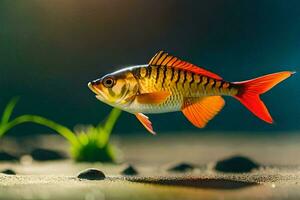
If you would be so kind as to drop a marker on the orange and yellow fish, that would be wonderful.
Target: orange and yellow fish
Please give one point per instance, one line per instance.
(169, 84)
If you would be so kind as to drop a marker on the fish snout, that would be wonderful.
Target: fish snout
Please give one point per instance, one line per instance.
(93, 85)
(95, 82)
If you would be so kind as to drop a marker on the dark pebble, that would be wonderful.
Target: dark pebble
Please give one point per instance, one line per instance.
(8, 172)
(182, 167)
(130, 170)
(4, 156)
(236, 164)
(41, 154)
(91, 174)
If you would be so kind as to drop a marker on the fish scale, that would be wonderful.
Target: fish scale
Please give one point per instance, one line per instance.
(160, 80)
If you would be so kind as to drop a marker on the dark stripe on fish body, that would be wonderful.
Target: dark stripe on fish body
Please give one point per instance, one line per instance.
(218, 87)
(145, 70)
(184, 77)
(214, 83)
(172, 73)
(178, 77)
(207, 82)
(157, 73)
(149, 69)
(164, 76)
(138, 73)
(193, 79)
(201, 79)
(221, 85)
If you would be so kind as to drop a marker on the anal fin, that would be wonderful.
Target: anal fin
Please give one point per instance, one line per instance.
(203, 110)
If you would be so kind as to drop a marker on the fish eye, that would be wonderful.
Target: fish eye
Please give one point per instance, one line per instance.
(108, 82)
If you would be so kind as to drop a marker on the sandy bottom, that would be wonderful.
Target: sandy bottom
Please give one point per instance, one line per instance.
(260, 185)
(279, 178)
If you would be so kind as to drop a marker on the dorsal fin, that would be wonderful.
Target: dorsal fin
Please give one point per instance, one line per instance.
(165, 59)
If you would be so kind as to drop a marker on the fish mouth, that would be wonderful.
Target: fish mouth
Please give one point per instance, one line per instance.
(97, 92)
(90, 85)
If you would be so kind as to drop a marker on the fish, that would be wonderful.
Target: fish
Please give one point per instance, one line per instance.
(169, 84)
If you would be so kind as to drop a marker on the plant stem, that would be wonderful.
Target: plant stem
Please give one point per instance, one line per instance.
(9, 109)
(109, 124)
(62, 130)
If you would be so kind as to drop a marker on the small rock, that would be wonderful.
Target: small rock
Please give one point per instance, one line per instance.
(182, 167)
(8, 172)
(4, 156)
(91, 174)
(130, 170)
(236, 164)
(41, 154)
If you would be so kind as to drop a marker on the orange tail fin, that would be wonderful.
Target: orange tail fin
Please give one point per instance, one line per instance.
(251, 89)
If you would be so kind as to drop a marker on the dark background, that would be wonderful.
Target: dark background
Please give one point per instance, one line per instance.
(50, 49)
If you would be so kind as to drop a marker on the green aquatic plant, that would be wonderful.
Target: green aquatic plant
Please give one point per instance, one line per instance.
(89, 144)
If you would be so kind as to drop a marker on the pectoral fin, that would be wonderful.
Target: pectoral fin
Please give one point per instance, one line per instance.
(153, 98)
(145, 121)
(203, 110)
